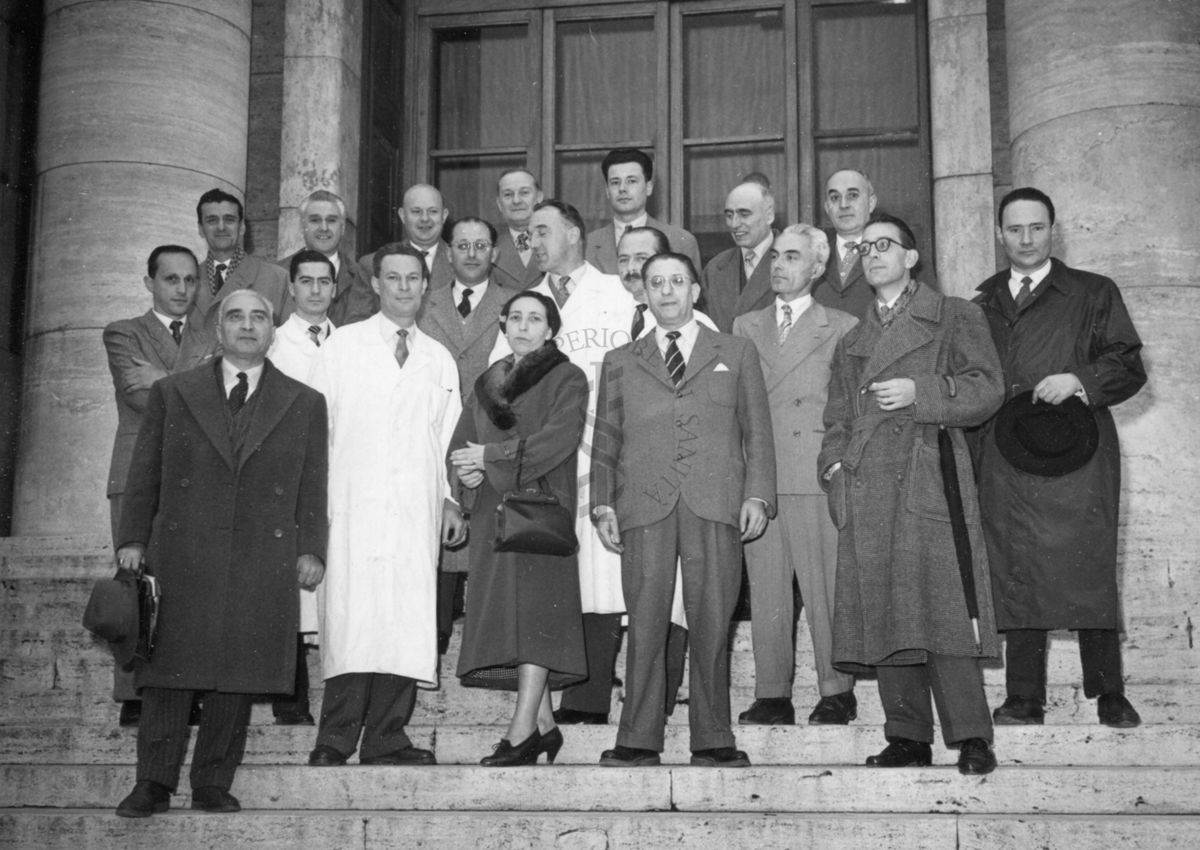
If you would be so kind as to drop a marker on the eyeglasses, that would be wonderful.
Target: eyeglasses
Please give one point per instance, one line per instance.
(479, 246)
(676, 281)
(883, 244)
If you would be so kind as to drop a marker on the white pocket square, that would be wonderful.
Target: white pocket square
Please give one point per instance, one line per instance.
(720, 367)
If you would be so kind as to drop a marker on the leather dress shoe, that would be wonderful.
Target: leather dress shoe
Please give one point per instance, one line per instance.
(410, 755)
(902, 752)
(975, 756)
(147, 798)
(210, 798)
(622, 756)
(1115, 710)
(836, 710)
(324, 755)
(551, 743)
(294, 718)
(770, 711)
(1018, 711)
(570, 717)
(505, 754)
(131, 712)
(720, 757)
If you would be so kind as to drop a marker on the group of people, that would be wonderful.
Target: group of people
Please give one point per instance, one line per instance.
(314, 452)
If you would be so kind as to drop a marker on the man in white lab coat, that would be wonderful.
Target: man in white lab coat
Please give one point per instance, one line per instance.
(394, 400)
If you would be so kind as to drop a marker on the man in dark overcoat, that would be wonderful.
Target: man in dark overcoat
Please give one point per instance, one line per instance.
(1052, 540)
(917, 364)
(225, 506)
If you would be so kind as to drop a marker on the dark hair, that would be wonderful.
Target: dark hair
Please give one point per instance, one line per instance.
(398, 249)
(661, 244)
(553, 318)
(671, 255)
(566, 211)
(473, 219)
(908, 240)
(621, 156)
(152, 263)
(1025, 193)
(309, 256)
(217, 196)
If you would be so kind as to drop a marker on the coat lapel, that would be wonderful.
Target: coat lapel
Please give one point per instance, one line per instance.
(809, 333)
(274, 399)
(763, 333)
(483, 317)
(160, 339)
(756, 288)
(201, 392)
(907, 333)
(651, 359)
(705, 351)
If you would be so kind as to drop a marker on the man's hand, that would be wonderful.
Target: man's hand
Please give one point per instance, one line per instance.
(1056, 389)
(141, 377)
(753, 519)
(606, 527)
(130, 557)
(895, 394)
(309, 571)
(472, 479)
(454, 525)
(469, 459)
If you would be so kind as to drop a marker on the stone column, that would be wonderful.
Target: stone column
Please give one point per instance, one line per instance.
(321, 108)
(960, 114)
(1104, 109)
(143, 107)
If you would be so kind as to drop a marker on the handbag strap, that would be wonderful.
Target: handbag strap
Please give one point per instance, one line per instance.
(543, 484)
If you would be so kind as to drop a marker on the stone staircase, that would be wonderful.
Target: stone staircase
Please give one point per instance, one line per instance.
(64, 764)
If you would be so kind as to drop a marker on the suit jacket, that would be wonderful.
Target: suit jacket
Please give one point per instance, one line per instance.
(144, 338)
(353, 298)
(708, 442)
(508, 268)
(469, 340)
(223, 529)
(440, 275)
(797, 378)
(252, 272)
(853, 298)
(601, 249)
(721, 281)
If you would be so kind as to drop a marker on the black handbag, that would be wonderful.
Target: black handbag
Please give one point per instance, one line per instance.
(532, 520)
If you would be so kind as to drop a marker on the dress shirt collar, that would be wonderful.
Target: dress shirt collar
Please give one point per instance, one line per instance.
(798, 306)
(685, 343)
(166, 320)
(619, 227)
(388, 328)
(843, 241)
(760, 250)
(229, 374)
(1037, 276)
(303, 325)
(477, 291)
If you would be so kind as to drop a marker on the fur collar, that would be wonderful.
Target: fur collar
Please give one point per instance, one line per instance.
(501, 382)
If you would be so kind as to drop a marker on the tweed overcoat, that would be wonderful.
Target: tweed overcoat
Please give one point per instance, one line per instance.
(899, 592)
(223, 530)
(1052, 542)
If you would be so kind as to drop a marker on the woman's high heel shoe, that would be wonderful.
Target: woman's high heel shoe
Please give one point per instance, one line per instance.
(551, 743)
(507, 755)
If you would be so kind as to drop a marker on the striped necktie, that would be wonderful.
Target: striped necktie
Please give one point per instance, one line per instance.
(314, 333)
(674, 359)
(786, 325)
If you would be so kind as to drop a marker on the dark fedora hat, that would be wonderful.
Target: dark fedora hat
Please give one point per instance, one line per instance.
(112, 614)
(1046, 439)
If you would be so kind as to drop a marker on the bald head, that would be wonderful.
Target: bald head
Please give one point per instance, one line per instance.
(422, 212)
(749, 213)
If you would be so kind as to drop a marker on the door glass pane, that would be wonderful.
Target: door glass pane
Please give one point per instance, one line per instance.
(468, 184)
(606, 80)
(866, 67)
(733, 74)
(709, 176)
(486, 93)
(578, 181)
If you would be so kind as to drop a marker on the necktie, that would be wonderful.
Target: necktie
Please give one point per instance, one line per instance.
(786, 325)
(177, 331)
(848, 256)
(1024, 292)
(674, 359)
(639, 321)
(464, 306)
(314, 333)
(749, 262)
(522, 241)
(401, 347)
(218, 278)
(561, 293)
(237, 395)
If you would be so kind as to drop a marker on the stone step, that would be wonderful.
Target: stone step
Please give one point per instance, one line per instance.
(832, 788)
(72, 829)
(1150, 745)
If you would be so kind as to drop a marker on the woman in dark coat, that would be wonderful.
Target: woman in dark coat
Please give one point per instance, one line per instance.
(524, 627)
